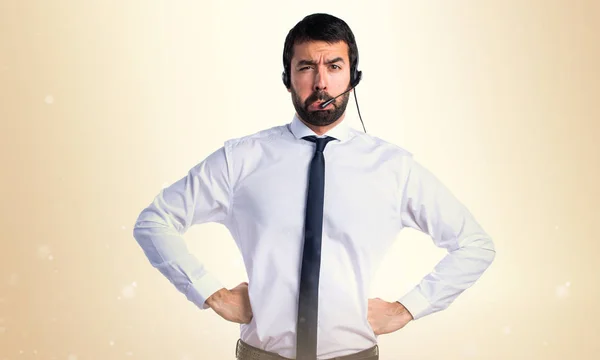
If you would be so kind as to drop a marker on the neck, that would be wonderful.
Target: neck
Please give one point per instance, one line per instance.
(320, 130)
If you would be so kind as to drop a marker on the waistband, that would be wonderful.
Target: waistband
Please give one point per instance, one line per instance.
(245, 351)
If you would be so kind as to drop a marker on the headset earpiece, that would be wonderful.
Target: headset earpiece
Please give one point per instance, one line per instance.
(357, 75)
(286, 79)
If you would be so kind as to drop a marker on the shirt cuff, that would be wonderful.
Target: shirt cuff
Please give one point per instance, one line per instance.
(415, 303)
(202, 289)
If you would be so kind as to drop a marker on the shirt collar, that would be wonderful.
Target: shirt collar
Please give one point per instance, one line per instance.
(341, 131)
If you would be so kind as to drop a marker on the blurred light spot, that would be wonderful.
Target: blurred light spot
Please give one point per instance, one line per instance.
(49, 99)
(111, 343)
(129, 353)
(123, 227)
(562, 291)
(506, 330)
(72, 357)
(128, 292)
(2, 329)
(134, 284)
(44, 252)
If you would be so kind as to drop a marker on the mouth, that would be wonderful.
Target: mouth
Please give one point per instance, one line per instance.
(316, 106)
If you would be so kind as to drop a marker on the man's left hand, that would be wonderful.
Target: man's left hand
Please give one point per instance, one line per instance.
(387, 317)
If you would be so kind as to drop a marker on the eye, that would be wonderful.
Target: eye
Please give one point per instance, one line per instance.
(336, 67)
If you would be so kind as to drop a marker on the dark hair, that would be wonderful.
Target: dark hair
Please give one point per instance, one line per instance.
(319, 27)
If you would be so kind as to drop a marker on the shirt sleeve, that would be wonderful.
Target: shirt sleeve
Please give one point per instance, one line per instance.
(203, 195)
(428, 206)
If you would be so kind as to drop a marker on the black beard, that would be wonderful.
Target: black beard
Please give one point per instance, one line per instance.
(319, 117)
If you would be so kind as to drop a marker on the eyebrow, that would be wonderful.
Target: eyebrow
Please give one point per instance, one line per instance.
(310, 62)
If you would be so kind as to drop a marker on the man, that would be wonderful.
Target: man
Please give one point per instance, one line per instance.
(311, 240)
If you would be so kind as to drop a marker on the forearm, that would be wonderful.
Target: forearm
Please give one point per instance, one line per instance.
(455, 273)
(166, 250)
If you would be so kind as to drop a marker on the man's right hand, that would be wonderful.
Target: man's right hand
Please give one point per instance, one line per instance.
(232, 305)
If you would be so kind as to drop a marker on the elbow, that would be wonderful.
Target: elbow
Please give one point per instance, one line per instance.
(489, 250)
(481, 247)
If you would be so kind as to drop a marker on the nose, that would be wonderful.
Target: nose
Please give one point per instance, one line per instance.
(320, 80)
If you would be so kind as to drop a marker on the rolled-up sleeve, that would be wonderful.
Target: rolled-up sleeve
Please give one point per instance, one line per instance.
(428, 206)
(203, 195)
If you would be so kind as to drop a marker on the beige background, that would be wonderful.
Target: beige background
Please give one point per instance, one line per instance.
(102, 103)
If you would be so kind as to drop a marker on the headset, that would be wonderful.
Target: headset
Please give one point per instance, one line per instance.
(355, 77)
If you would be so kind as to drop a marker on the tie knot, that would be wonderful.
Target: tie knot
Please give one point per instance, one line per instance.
(321, 142)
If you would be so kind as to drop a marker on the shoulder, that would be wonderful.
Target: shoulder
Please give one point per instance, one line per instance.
(378, 144)
(266, 135)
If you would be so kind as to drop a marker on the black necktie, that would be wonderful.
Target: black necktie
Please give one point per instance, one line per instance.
(308, 300)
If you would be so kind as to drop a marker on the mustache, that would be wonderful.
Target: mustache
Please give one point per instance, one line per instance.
(317, 96)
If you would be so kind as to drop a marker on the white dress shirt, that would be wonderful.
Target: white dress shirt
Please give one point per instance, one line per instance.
(256, 186)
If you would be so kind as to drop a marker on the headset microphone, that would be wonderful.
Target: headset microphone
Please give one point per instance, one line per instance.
(326, 103)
